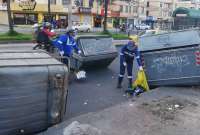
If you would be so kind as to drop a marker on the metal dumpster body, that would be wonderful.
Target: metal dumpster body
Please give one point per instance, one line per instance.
(33, 92)
(98, 51)
(174, 60)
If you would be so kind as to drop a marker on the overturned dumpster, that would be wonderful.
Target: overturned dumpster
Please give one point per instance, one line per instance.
(33, 91)
(172, 59)
(97, 51)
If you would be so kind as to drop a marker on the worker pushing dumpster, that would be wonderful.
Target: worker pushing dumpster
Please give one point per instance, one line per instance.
(172, 59)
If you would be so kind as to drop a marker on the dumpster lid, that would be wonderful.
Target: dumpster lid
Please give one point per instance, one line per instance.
(28, 58)
(96, 45)
(169, 40)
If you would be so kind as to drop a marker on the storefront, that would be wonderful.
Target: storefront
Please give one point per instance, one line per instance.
(97, 21)
(25, 18)
(83, 15)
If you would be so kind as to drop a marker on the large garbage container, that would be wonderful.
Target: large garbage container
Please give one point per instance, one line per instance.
(33, 91)
(172, 58)
(98, 51)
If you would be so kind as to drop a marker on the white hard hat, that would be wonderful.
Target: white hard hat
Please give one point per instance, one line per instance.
(35, 25)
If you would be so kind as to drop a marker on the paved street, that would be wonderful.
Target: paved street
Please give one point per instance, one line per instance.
(96, 93)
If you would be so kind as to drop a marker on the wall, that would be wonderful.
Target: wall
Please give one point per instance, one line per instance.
(3, 14)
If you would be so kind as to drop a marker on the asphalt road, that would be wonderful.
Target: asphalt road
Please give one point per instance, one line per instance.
(97, 92)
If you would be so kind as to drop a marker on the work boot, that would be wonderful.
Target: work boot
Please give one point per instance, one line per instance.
(129, 83)
(119, 84)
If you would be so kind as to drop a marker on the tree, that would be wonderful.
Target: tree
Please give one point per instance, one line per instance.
(9, 17)
(49, 10)
(105, 15)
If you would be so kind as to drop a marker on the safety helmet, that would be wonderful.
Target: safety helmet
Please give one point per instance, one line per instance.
(36, 25)
(70, 31)
(134, 38)
(47, 25)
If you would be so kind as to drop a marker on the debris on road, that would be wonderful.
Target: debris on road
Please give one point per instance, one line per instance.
(86, 102)
(75, 128)
(99, 85)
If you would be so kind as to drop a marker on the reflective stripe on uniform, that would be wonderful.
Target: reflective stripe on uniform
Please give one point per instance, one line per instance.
(121, 75)
(121, 54)
(60, 42)
(137, 57)
(68, 41)
(130, 77)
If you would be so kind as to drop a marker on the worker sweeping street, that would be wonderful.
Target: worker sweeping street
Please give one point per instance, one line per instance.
(127, 55)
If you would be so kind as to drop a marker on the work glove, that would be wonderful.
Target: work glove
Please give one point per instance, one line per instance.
(125, 64)
(61, 53)
(140, 68)
(79, 52)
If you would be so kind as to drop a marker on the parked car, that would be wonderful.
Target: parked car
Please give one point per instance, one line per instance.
(84, 27)
(143, 27)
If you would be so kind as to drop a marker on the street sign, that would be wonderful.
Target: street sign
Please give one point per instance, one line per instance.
(85, 10)
(27, 4)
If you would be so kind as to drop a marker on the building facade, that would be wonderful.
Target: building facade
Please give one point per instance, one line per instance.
(32, 11)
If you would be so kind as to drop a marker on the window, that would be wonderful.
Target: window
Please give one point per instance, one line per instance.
(134, 9)
(65, 2)
(121, 8)
(148, 4)
(109, 20)
(126, 9)
(147, 13)
(129, 9)
(142, 10)
(53, 2)
(161, 5)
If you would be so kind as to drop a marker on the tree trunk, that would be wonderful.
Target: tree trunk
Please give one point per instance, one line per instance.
(9, 16)
(49, 11)
(105, 15)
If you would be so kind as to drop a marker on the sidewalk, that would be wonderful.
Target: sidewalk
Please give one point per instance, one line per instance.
(164, 111)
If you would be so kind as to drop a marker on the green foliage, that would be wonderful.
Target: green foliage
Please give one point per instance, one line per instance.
(13, 35)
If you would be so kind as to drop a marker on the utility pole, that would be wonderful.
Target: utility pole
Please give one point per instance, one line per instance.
(9, 16)
(70, 14)
(105, 15)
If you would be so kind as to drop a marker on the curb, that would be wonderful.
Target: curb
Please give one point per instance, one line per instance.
(115, 42)
(15, 41)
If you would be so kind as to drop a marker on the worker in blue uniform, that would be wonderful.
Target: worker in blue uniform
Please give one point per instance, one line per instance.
(127, 55)
(66, 44)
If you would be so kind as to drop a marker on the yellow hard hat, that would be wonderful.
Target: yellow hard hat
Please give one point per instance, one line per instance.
(134, 38)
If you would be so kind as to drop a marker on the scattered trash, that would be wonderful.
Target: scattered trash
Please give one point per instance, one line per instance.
(21, 131)
(176, 106)
(81, 75)
(130, 104)
(86, 102)
(98, 84)
(170, 108)
(135, 92)
(75, 128)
